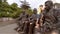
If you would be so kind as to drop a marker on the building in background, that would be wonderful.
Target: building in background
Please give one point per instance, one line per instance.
(3, 0)
(56, 5)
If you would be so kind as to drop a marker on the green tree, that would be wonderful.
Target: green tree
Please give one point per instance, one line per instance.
(0, 1)
(25, 5)
(5, 0)
(12, 10)
(15, 10)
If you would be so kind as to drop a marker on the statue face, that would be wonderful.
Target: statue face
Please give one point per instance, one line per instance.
(48, 5)
(35, 11)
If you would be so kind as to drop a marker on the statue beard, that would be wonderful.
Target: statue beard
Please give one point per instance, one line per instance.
(47, 8)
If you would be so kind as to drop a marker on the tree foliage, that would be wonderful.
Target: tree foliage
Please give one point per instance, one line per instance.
(12, 10)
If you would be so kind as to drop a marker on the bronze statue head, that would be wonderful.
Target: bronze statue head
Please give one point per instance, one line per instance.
(48, 5)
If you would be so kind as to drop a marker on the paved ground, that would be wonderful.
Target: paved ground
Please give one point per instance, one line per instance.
(7, 23)
(8, 29)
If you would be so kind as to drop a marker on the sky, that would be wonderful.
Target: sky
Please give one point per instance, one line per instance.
(33, 3)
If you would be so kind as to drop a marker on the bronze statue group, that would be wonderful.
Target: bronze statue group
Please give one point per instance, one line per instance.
(48, 21)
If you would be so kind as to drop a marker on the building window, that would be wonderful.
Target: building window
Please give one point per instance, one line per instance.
(2, 0)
